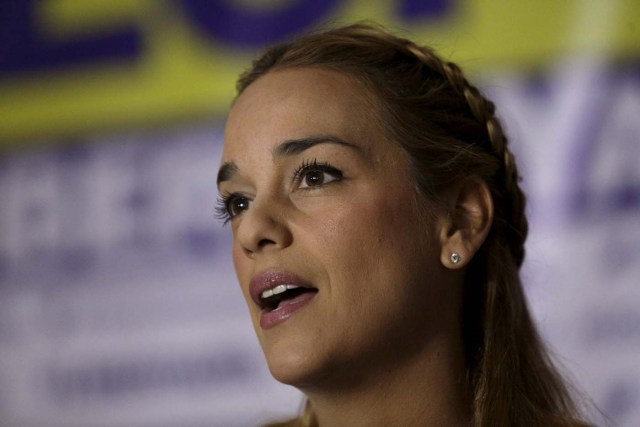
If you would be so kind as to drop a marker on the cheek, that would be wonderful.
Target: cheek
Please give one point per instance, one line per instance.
(237, 256)
(242, 266)
(374, 242)
(357, 233)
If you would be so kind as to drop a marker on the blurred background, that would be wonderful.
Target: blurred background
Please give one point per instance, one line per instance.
(118, 302)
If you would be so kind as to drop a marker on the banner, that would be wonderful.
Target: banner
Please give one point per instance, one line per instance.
(69, 67)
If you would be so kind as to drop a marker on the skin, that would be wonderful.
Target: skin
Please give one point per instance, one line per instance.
(380, 343)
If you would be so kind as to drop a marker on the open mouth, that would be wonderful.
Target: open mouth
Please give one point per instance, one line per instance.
(283, 295)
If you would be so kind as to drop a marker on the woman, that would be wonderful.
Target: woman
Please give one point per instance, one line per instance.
(378, 233)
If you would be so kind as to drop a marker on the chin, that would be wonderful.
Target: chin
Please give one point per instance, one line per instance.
(294, 366)
(291, 367)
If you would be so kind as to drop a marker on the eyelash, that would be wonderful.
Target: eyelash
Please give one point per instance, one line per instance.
(222, 212)
(312, 165)
(223, 203)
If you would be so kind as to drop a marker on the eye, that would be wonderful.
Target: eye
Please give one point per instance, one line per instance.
(236, 205)
(230, 206)
(316, 178)
(315, 175)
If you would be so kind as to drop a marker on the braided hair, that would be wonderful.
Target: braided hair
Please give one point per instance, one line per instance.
(451, 133)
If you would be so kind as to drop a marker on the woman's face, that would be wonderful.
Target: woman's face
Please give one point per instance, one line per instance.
(326, 227)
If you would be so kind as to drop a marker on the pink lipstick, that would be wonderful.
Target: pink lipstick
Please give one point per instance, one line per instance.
(280, 295)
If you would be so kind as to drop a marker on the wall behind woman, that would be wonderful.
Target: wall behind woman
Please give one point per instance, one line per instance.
(118, 303)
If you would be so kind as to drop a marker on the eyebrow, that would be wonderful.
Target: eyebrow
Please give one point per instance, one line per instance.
(290, 147)
(296, 146)
(226, 171)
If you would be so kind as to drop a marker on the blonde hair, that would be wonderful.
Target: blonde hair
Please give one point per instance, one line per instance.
(451, 133)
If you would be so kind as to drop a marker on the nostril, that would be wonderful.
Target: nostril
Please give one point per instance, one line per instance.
(261, 245)
(265, 242)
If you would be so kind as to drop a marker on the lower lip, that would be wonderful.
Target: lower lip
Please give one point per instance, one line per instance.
(269, 319)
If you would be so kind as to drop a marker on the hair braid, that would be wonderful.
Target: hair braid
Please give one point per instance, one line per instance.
(512, 216)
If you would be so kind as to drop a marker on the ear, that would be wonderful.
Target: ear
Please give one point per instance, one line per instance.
(467, 224)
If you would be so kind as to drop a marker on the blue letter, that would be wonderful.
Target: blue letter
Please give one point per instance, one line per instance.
(24, 48)
(238, 26)
(413, 10)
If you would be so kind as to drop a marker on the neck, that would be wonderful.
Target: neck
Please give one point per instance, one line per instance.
(428, 390)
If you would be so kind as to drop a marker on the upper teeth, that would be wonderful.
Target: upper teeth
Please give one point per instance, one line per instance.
(277, 290)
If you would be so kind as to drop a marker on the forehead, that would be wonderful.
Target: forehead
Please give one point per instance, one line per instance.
(298, 103)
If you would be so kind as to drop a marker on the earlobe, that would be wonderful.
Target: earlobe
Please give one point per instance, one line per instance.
(467, 223)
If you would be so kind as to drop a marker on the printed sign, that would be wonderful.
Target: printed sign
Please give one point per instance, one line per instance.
(68, 67)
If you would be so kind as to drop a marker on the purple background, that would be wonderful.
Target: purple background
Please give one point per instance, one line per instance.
(118, 302)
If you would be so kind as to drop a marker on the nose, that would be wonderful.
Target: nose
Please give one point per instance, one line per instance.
(263, 227)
